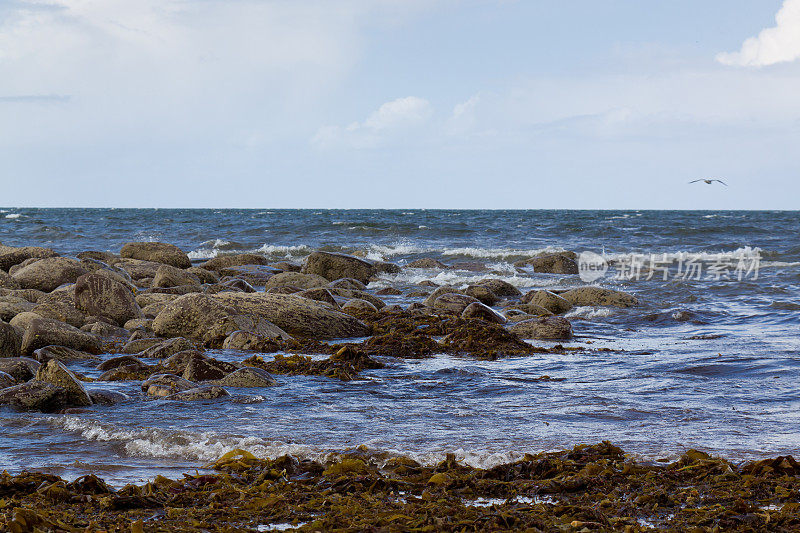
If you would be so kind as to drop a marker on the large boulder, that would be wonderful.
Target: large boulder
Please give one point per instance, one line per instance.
(11, 306)
(483, 312)
(205, 392)
(224, 261)
(63, 354)
(167, 348)
(10, 256)
(555, 263)
(483, 293)
(7, 282)
(43, 332)
(248, 377)
(549, 300)
(170, 276)
(427, 262)
(207, 319)
(599, 296)
(296, 315)
(296, 279)
(10, 340)
(454, 302)
(159, 252)
(247, 340)
(6, 380)
(20, 368)
(60, 311)
(545, 328)
(57, 374)
(429, 301)
(35, 396)
(140, 271)
(49, 273)
(99, 295)
(501, 288)
(333, 266)
(163, 385)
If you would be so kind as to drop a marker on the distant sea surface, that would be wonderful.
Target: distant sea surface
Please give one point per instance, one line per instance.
(710, 363)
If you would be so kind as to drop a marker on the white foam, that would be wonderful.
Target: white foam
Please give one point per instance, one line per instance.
(589, 312)
(456, 278)
(13, 215)
(500, 253)
(746, 252)
(284, 251)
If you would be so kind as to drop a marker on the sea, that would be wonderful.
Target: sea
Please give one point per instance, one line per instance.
(710, 359)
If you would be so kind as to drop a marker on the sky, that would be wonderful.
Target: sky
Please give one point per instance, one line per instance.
(492, 104)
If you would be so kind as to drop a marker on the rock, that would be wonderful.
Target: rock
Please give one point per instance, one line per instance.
(49, 273)
(333, 266)
(248, 377)
(108, 397)
(296, 279)
(145, 324)
(247, 340)
(61, 312)
(35, 396)
(253, 274)
(6, 380)
(22, 265)
(389, 291)
(361, 295)
(166, 348)
(7, 282)
(483, 294)
(357, 304)
(28, 295)
(545, 328)
(19, 368)
(22, 320)
(320, 295)
(453, 302)
(235, 284)
(549, 300)
(62, 354)
(178, 363)
(122, 360)
(483, 312)
(501, 288)
(283, 289)
(158, 252)
(10, 340)
(43, 332)
(348, 283)
(385, 267)
(138, 345)
(149, 298)
(599, 296)
(287, 266)
(151, 311)
(140, 271)
(179, 290)
(438, 292)
(297, 316)
(64, 294)
(207, 319)
(110, 272)
(163, 385)
(105, 257)
(530, 309)
(10, 256)
(170, 276)
(202, 369)
(11, 306)
(57, 374)
(207, 392)
(103, 329)
(224, 261)
(556, 263)
(427, 262)
(205, 276)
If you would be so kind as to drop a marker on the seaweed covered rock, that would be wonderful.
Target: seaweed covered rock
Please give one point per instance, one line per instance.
(345, 364)
(6, 380)
(35, 396)
(57, 374)
(333, 266)
(43, 332)
(483, 339)
(250, 377)
(157, 252)
(166, 348)
(49, 273)
(599, 296)
(453, 302)
(545, 328)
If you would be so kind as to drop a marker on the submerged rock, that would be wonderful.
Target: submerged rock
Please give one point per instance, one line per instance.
(248, 377)
(163, 385)
(167, 348)
(62, 354)
(555, 263)
(548, 300)
(206, 392)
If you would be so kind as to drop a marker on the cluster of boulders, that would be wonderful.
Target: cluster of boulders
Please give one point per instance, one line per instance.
(150, 302)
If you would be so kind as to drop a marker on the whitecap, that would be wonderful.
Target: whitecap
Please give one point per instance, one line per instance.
(589, 312)
(14, 215)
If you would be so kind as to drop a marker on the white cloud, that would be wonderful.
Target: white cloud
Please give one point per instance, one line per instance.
(779, 44)
(391, 120)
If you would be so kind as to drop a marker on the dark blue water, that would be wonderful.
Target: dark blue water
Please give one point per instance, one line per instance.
(705, 363)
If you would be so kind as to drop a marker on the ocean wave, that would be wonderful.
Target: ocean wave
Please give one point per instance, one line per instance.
(284, 250)
(705, 256)
(500, 253)
(589, 312)
(14, 215)
(457, 278)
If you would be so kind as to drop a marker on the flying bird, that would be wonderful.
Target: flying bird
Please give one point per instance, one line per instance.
(709, 181)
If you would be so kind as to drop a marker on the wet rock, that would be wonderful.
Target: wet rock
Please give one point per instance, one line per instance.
(65, 294)
(207, 319)
(359, 305)
(283, 289)
(107, 397)
(438, 292)
(483, 312)
(104, 329)
(385, 267)
(599, 296)
(389, 291)
(151, 311)
(127, 373)
(203, 369)
(11, 306)
(247, 340)
(106, 257)
(348, 283)
(134, 346)
(149, 298)
(170, 276)
(207, 392)
(20, 368)
(158, 252)
(483, 294)
(145, 324)
(47, 274)
(297, 316)
(10, 340)
(483, 339)
(57, 374)
(296, 279)
(61, 312)
(361, 295)
(141, 272)
(248, 377)
(35, 396)
(545, 328)
(6, 380)
(345, 364)
(205, 276)
(333, 266)
(122, 360)
(62, 354)
(501, 288)
(167, 348)
(10, 256)
(555, 263)
(287, 266)
(530, 309)
(28, 295)
(178, 363)
(320, 295)
(253, 274)
(427, 262)
(224, 261)
(549, 300)
(43, 332)
(163, 385)
(453, 302)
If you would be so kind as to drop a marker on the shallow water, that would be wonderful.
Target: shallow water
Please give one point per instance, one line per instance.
(710, 364)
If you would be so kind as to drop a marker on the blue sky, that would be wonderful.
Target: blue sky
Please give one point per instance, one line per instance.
(400, 103)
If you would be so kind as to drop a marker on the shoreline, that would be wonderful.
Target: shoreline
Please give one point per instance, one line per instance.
(589, 488)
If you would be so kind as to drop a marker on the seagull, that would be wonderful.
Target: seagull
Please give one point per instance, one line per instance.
(709, 181)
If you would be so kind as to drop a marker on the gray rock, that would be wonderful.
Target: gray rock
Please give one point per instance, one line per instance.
(158, 252)
(545, 328)
(107, 397)
(246, 340)
(49, 273)
(483, 312)
(548, 300)
(104, 329)
(453, 302)
(248, 377)
(43, 332)
(167, 348)
(10, 340)
(555, 263)
(163, 385)
(438, 292)
(62, 354)
(501, 288)
(206, 392)
(530, 309)
(357, 304)
(427, 262)
(253, 274)
(57, 374)
(6, 380)
(483, 293)
(170, 276)
(205, 276)
(361, 295)
(203, 369)
(142, 272)
(348, 283)
(35, 396)
(320, 295)
(333, 266)
(296, 279)
(20, 368)
(599, 296)
(224, 261)
(99, 295)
